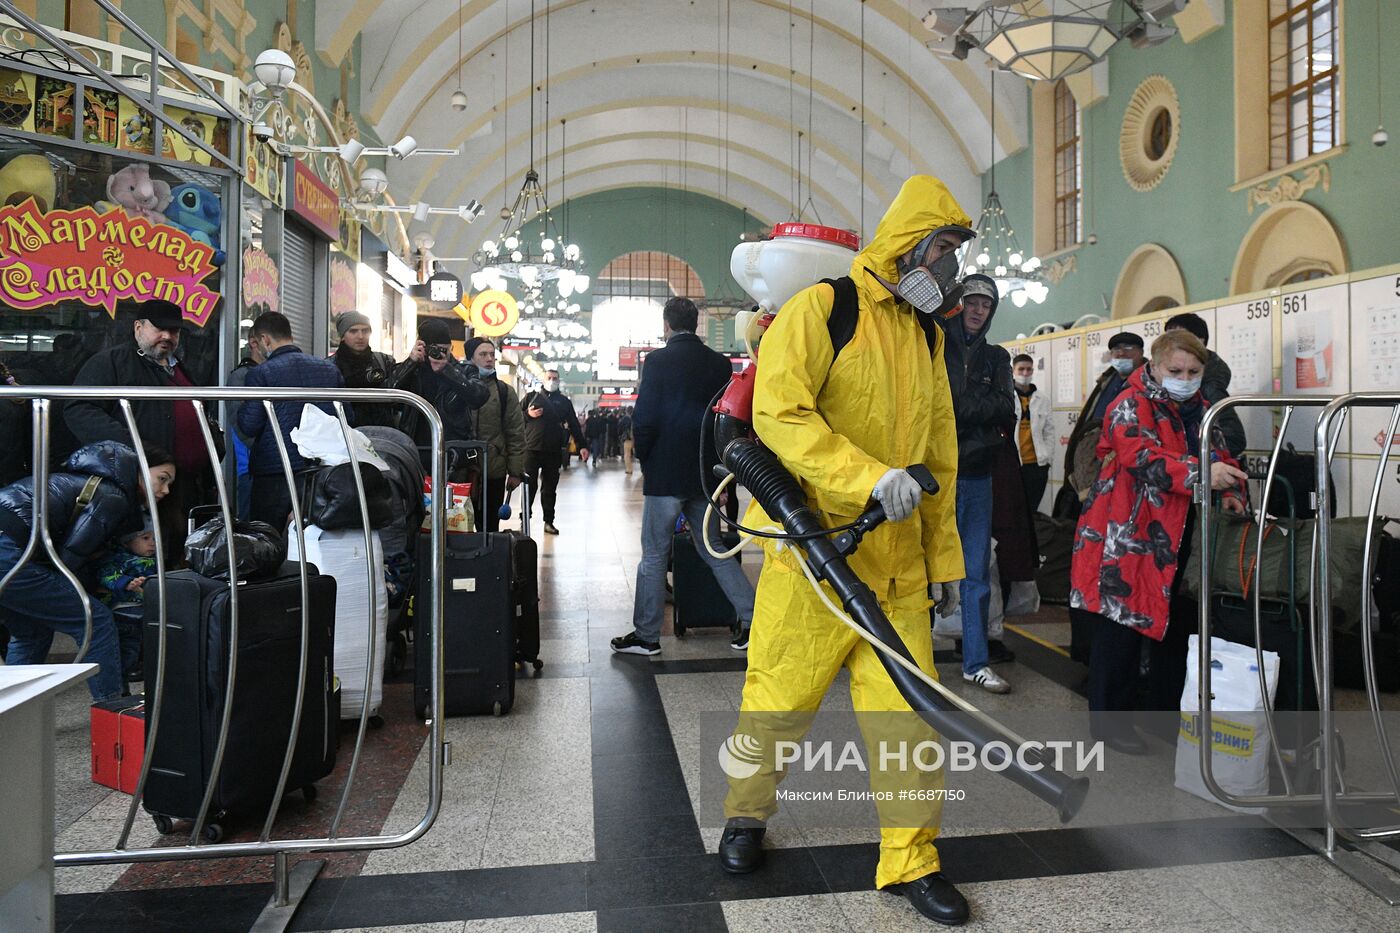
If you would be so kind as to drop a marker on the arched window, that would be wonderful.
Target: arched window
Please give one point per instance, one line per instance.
(628, 295)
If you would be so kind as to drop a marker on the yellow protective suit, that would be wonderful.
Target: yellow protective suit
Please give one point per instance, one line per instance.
(838, 427)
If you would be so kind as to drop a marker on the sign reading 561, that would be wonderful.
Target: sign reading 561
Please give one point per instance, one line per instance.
(493, 313)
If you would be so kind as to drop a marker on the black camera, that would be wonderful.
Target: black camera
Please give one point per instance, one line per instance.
(437, 351)
(374, 376)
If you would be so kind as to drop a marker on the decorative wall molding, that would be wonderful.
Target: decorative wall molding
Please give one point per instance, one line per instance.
(1289, 188)
(1055, 270)
(1146, 157)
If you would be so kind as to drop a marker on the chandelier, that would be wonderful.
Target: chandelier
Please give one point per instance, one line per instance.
(1000, 255)
(1051, 39)
(538, 261)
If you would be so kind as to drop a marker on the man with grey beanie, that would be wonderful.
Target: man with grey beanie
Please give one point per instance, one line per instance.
(364, 368)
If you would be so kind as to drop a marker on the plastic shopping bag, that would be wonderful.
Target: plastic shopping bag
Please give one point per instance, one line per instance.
(319, 437)
(1024, 598)
(1240, 749)
(951, 626)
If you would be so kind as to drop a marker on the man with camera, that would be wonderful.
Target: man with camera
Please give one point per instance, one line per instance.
(451, 386)
(364, 368)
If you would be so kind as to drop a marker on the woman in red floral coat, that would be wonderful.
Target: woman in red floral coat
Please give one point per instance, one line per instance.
(1134, 534)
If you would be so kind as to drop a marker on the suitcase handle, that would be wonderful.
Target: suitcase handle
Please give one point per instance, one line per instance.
(485, 473)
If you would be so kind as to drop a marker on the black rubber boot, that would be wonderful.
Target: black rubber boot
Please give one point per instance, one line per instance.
(741, 847)
(934, 897)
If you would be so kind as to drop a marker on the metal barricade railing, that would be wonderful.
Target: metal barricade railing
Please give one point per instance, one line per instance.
(289, 886)
(1332, 798)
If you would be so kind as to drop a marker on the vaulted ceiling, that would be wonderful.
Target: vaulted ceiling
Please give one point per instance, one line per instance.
(722, 97)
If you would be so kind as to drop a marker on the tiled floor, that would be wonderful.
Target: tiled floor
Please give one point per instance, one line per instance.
(582, 809)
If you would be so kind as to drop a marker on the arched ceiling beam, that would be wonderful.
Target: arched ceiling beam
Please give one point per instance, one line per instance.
(969, 83)
(759, 200)
(827, 206)
(648, 113)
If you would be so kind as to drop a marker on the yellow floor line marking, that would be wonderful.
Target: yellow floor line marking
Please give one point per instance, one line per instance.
(1039, 641)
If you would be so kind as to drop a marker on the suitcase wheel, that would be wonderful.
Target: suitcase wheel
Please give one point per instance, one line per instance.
(539, 665)
(308, 792)
(496, 708)
(376, 721)
(212, 833)
(164, 824)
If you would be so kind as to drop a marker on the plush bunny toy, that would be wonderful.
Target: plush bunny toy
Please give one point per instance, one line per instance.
(140, 195)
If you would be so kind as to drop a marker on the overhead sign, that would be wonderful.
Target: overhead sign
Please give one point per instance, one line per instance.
(100, 260)
(443, 290)
(631, 357)
(493, 313)
(313, 200)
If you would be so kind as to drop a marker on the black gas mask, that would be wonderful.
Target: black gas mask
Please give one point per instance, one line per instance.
(932, 288)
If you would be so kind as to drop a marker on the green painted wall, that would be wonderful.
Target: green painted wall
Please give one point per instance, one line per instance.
(698, 229)
(1192, 212)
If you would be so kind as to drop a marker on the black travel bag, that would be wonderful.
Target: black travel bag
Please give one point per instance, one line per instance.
(478, 618)
(699, 601)
(525, 587)
(198, 638)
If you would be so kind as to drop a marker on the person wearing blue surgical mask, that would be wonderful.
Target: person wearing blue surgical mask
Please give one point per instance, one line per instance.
(1135, 534)
(1081, 462)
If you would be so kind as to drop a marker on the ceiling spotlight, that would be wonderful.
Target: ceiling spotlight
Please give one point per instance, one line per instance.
(351, 149)
(420, 211)
(459, 100)
(403, 148)
(945, 22)
(470, 211)
(275, 69)
(373, 182)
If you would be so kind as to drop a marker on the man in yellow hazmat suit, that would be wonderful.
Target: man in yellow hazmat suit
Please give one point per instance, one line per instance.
(846, 425)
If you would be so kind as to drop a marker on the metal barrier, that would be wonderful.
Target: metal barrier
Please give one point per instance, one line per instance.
(1357, 854)
(290, 887)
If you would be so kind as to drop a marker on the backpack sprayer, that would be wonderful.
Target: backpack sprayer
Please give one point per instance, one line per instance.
(772, 271)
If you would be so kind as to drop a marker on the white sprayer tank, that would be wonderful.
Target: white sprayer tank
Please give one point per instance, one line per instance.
(798, 255)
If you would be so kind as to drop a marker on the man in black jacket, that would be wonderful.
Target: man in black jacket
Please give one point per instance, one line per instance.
(363, 368)
(174, 426)
(549, 422)
(679, 380)
(984, 404)
(450, 386)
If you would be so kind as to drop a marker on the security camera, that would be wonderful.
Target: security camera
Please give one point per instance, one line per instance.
(1093, 239)
(403, 148)
(1380, 137)
(262, 131)
(459, 100)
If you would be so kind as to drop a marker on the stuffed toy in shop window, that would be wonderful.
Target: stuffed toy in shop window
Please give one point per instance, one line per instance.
(140, 195)
(25, 172)
(199, 212)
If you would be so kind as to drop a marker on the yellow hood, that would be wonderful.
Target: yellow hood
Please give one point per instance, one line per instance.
(923, 205)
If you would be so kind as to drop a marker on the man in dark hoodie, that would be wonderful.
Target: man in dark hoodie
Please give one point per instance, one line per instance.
(97, 495)
(984, 405)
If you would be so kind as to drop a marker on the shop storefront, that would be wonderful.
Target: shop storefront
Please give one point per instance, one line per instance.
(103, 207)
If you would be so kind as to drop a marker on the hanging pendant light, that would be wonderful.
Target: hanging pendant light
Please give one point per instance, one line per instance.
(999, 252)
(534, 261)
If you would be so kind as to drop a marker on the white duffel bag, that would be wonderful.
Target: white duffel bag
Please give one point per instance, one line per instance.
(341, 554)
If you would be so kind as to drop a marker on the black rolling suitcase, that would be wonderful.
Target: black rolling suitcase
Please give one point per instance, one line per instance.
(197, 643)
(699, 602)
(525, 586)
(478, 620)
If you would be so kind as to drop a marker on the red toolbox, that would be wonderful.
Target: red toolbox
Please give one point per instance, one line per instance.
(118, 742)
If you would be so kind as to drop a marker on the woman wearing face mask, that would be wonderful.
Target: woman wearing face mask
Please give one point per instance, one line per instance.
(1133, 535)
